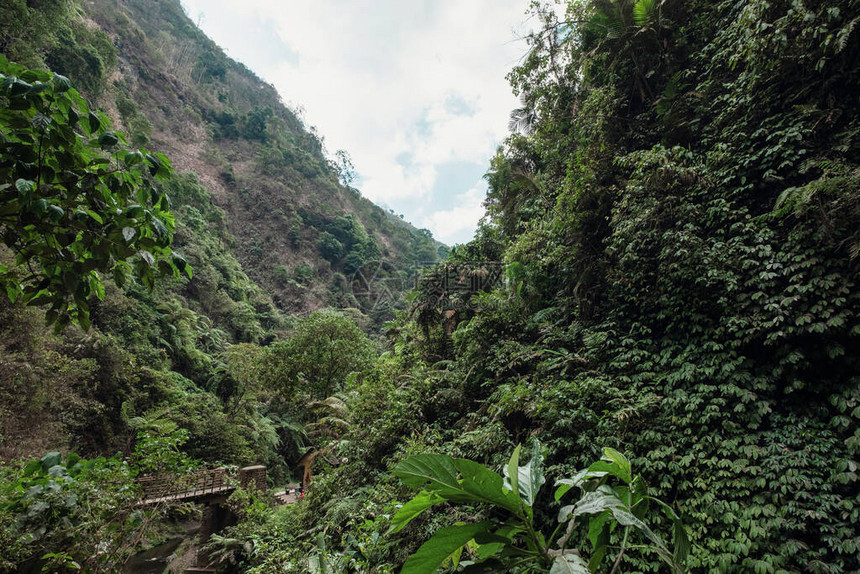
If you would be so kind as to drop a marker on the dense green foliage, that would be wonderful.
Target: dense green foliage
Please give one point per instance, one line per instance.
(73, 199)
(677, 209)
(72, 514)
(160, 356)
(187, 354)
(79, 201)
(513, 543)
(39, 34)
(287, 202)
(325, 349)
(677, 213)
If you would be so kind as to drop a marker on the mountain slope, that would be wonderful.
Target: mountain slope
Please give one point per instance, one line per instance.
(270, 174)
(679, 211)
(260, 216)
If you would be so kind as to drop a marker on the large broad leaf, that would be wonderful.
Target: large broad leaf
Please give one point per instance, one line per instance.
(569, 564)
(682, 542)
(590, 503)
(512, 475)
(441, 545)
(597, 534)
(531, 475)
(24, 186)
(160, 228)
(61, 83)
(430, 471)
(50, 460)
(422, 501)
(625, 471)
(626, 518)
(441, 474)
(613, 463)
(483, 485)
(526, 480)
(94, 122)
(108, 139)
(590, 473)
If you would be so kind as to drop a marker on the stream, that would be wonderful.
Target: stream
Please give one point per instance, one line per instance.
(155, 560)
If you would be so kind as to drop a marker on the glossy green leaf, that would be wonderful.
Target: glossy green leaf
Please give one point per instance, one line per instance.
(512, 473)
(94, 122)
(531, 476)
(481, 484)
(96, 217)
(61, 83)
(51, 460)
(133, 158)
(431, 471)
(422, 501)
(32, 467)
(457, 480)
(441, 545)
(154, 163)
(526, 479)
(160, 228)
(55, 212)
(107, 140)
(24, 186)
(614, 463)
(590, 503)
(569, 564)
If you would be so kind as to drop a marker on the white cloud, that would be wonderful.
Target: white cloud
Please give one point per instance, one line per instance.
(457, 225)
(377, 78)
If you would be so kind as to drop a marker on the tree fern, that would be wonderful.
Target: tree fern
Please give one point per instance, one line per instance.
(153, 422)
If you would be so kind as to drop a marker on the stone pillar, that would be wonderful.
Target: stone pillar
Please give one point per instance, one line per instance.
(253, 476)
(208, 526)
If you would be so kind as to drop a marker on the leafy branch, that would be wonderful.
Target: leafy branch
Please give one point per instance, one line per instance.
(499, 544)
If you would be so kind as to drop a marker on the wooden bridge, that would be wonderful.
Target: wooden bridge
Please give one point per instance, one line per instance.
(211, 488)
(197, 487)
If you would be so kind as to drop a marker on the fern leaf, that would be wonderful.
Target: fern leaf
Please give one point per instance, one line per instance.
(844, 33)
(643, 12)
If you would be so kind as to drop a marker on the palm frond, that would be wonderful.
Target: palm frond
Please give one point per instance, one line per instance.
(333, 405)
(644, 12)
(522, 119)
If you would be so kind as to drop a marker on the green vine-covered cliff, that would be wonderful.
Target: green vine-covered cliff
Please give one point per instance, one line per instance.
(672, 233)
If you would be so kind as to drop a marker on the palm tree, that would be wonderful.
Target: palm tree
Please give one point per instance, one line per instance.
(629, 29)
(523, 118)
(333, 417)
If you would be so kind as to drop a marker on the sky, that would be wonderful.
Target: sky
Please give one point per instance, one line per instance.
(413, 90)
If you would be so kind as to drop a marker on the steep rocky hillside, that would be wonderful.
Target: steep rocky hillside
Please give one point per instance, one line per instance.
(261, 217)
(284, 203)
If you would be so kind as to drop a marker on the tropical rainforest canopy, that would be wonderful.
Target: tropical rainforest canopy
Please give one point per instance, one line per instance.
(657, 319)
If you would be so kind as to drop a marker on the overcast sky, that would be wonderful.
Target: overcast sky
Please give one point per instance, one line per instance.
(413, 90)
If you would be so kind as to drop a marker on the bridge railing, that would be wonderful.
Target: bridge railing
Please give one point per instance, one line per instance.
(195, 484)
